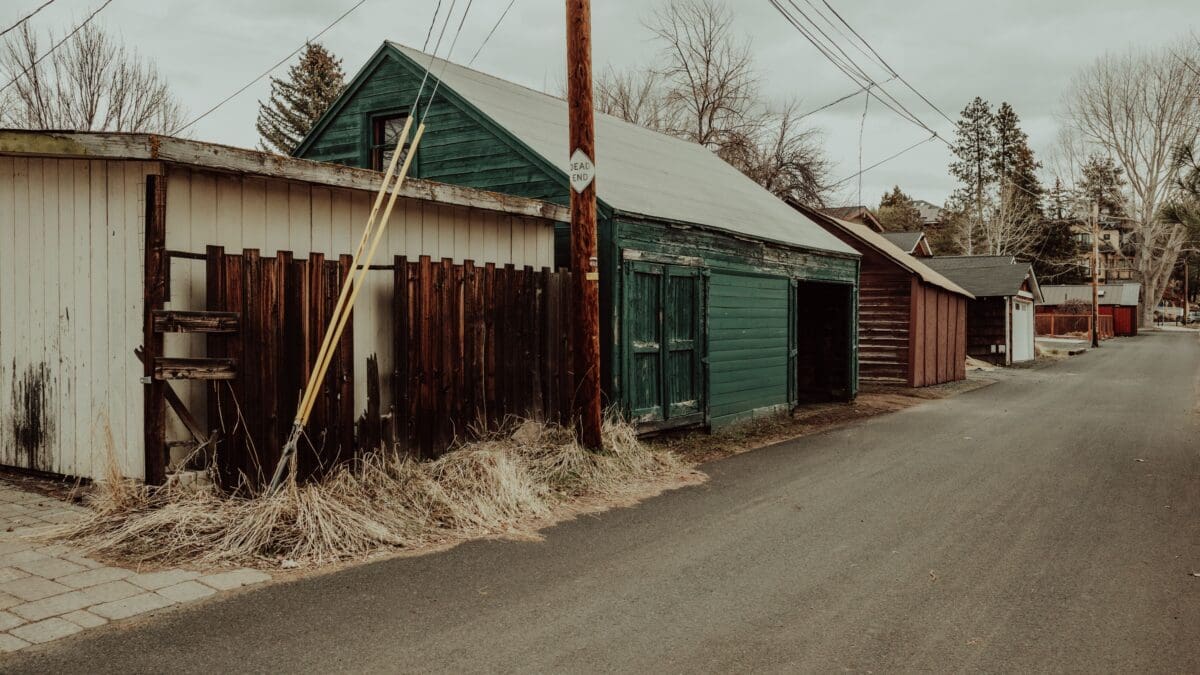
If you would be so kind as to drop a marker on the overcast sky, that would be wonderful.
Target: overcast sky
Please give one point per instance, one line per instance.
(1023, 52)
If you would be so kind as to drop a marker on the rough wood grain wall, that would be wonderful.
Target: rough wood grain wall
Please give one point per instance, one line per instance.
(71, 259)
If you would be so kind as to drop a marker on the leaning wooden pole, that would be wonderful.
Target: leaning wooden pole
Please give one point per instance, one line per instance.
(359, 266)
(585, 275)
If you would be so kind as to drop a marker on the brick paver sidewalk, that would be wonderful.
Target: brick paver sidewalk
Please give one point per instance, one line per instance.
(52, 591)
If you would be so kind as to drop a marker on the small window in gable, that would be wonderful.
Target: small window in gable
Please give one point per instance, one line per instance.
(385, 131)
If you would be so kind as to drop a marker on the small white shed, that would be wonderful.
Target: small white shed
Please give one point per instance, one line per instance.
(73, 214)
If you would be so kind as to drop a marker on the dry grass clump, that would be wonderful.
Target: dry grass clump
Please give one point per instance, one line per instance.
(495, 485)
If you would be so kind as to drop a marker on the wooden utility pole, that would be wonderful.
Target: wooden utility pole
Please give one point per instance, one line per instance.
(1096, 274)
(1185, 290)
(585, 273)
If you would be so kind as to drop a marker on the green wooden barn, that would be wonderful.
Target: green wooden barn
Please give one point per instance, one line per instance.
(718, 300)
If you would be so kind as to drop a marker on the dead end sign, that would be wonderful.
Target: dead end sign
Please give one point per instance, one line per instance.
(583, 171)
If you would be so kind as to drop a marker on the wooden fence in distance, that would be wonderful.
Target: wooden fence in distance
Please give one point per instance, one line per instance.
(474, 346)
(1072, 324)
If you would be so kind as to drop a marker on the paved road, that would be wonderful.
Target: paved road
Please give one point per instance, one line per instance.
(1010, 528)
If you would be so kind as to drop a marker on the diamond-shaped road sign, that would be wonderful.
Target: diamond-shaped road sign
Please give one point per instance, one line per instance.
(582, 171)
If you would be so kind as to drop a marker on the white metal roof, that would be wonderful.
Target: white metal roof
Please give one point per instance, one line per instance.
(1110, 294)
(638, 171)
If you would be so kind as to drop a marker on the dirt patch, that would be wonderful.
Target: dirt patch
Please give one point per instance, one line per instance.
(60, 488)
(700, 446)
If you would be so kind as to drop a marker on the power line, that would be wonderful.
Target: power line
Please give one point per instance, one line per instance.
(27, 17)
(489, 35)
(847, 97)
(847, 64)
(849, 70)
(58, 44)
(449, 52)
(886, 64)
(268, 71)
(881, 162)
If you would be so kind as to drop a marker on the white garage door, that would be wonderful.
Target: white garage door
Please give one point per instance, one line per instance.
(1022, 330)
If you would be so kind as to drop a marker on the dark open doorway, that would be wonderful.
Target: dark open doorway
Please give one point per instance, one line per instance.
(824, 344)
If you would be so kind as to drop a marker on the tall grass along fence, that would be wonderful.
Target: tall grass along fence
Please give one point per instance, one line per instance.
(472, 347)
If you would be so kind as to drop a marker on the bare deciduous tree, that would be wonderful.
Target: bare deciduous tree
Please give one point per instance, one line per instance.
(1139, 108)
(708, 72)
(633, 95)
(1013, 224)
(91, 82)
(782, 156)
(705, 90)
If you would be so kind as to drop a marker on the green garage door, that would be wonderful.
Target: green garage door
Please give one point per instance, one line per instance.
(663, 373)
(748, 344)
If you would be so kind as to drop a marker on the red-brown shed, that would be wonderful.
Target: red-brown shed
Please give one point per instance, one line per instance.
(912, 321)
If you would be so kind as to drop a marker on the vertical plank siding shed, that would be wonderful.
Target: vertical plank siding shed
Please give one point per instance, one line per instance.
(702, 271)
(912, 322)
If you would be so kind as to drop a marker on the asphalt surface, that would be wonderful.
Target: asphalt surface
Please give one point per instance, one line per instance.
(1008, 529)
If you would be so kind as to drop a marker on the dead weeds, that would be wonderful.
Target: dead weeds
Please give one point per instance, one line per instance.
(494, 486)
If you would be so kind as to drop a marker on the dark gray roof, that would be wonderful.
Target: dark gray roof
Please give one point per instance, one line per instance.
(1110, 294)
(906, 241)
(951, 262)
(984, 276)
(638, 171)
(930, 213)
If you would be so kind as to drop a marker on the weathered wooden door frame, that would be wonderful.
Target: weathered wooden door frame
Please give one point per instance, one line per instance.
(664, 271)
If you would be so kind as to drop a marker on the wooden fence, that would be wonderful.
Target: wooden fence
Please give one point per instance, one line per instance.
(284, 305)
(474, 346)
(1072, 324)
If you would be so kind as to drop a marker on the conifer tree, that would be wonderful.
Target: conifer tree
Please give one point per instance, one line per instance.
(297, 102)
(898, 213)
(1014, 164)
(974, 167)
(1103, 181)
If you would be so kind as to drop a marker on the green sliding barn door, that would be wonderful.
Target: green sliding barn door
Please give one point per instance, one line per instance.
(662, 337)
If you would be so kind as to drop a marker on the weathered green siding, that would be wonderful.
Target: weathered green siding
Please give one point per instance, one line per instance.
(460, 146)
(748, 344)
(746, 309)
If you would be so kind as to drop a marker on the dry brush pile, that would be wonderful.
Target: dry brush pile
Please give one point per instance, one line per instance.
(497, 485)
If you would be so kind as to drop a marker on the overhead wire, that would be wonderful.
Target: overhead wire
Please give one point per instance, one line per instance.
(268, 71)
(489, 35)
(58, 44)
(881, 162)
(27, 17)
(887, 65)
(851, 69)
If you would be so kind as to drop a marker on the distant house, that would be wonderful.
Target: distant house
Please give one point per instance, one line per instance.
(912, 323)
(1000, 320)
(1116, 254)
(931, 215)
(855, 214)
(1120, 301)
(912, 243)
(718, 300)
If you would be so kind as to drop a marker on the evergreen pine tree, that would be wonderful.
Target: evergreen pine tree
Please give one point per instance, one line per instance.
(898, 213)
(974, 167)
(1013, 163)
(296, 103)
(1103, 181)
